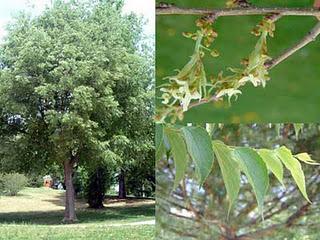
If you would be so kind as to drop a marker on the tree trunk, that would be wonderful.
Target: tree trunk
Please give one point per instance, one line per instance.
(97, 188)
(70, 211)
(122, 185)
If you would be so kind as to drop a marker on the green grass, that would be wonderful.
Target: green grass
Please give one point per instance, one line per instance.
(291, 95)
(36, 213)
(66, 233)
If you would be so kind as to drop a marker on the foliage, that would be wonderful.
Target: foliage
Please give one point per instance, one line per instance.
(185, 209)
(140, 180)
(80, 180)
(68, 91)
(195, 143)
(12, 183)
(35, 180)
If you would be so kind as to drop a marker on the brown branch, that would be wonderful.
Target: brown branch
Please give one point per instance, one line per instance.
(174, 10)
(298, 214)
(188, 201)
(291, 220)
(203, 101)
(311, 36)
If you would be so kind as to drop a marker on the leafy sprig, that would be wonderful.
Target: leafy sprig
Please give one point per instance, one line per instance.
(191, 83)
(189, 143)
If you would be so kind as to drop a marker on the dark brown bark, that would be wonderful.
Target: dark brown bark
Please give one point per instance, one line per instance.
(70, 210)
(122, 185)
(97, 188)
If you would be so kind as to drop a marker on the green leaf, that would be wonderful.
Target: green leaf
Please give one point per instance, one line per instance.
(256, 171)
(200, 149)
(305, 157)
(179, 152)
(294, 166)
(229, 169)
(297, 129)
(159, 142)
(273, 163)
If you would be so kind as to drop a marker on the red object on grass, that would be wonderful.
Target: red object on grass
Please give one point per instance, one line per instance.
(316, 4)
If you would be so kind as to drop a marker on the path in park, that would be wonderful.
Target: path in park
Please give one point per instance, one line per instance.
(149, 222)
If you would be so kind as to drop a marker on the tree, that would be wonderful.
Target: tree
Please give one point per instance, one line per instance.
(219, 200)
(140, 179)
(99, 182)
(61, 75)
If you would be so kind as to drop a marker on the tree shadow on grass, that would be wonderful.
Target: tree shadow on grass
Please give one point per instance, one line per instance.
(108, 214)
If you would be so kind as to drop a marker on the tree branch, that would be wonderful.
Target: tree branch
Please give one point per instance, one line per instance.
(169, 9)
(311, 36)
(269, 230)
(174, 10)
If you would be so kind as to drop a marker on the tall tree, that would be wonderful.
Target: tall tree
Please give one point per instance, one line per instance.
(60, 76)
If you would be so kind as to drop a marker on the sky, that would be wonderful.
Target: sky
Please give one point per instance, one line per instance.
(8, 8)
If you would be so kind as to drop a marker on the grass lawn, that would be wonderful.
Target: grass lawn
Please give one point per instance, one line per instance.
(36, 213)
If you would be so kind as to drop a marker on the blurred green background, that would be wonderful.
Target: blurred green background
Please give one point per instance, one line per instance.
(292, 94)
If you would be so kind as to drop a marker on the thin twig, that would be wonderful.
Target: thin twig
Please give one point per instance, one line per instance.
(174, 10)
(203, 101)
(311, 36)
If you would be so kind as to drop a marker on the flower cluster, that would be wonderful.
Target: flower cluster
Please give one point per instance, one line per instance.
(190, 83)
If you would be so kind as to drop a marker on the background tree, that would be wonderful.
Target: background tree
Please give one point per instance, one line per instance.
(133, 140)
(99, 181)
(63, 77)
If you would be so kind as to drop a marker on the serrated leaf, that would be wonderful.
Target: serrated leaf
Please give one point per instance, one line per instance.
(229, 169)
(297, 129)
(179, 152)
(273, 163)
(294, 166)
(305, 157)
(256, 171)
(159, 142)
(200, 149)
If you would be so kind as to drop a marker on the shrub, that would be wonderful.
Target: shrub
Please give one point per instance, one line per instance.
(80, 179)
(35, 180)
(12, 183)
